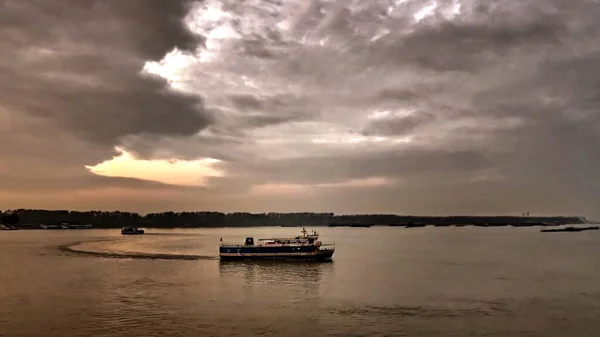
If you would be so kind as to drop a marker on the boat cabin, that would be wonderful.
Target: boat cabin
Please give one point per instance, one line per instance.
(303, 240)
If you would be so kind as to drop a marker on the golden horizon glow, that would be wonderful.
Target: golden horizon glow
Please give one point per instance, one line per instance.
(171, 171)
(291, 189)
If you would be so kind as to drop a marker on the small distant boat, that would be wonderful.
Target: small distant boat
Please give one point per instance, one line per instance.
(131, 231)
(305, 247)
(8, 228)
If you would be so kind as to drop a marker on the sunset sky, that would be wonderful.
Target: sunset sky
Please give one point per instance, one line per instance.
(408, 106)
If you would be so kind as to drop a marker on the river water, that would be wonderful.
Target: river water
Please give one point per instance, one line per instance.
(383, 281)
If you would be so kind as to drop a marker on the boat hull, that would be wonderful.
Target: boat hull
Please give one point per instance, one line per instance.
(274, 253)
(317, 256)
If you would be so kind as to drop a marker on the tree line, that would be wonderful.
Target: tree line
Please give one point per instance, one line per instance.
(117, 219)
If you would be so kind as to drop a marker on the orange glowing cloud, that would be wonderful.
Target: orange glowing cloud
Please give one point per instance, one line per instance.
(172, 171)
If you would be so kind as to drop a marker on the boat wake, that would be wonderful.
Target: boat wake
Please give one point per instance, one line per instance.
(72, 249)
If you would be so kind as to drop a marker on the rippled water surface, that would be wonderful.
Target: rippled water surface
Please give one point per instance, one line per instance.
(382, 282)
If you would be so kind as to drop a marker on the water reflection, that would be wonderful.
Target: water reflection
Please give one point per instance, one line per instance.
(305, 276)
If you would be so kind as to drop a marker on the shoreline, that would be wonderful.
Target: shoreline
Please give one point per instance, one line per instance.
(55, 219)
(406, 226)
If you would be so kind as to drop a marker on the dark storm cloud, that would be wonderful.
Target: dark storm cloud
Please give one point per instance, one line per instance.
(72, 88)
(155, 26)
(150, 27)
(78, 63)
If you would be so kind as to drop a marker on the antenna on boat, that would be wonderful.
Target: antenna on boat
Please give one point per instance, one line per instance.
(303, 231)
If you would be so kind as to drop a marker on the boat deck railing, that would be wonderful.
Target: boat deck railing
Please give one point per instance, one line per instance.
(328, 246)
(232, 244)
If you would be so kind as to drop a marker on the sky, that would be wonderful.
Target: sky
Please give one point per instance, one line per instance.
(423, 107)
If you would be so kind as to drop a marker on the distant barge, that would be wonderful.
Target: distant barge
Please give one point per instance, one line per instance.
(132, 231)
(571, 229)
(305, 247)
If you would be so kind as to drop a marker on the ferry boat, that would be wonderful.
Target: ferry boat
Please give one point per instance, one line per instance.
(132, 231)
(305, 247)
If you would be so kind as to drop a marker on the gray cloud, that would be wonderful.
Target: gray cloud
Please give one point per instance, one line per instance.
(398, 94)
(478, 42)
(411, 164)
(504, 98)
(258, 111)
(396, 125)
(78, 65)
